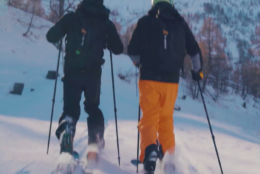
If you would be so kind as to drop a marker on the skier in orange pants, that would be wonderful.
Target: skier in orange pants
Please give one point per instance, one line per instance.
(158, 46)
(157, 101)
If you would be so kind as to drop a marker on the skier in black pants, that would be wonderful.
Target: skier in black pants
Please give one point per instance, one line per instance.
(88, 32)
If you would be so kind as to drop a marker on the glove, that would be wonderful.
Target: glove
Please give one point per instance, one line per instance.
(196, 71)
(197, 76)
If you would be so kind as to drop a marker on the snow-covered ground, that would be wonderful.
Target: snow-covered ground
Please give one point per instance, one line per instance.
(24, 120)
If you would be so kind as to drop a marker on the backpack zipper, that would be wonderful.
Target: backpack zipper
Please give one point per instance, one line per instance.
(84, 32)
(165, 38)
(171, 43)
(83, 37)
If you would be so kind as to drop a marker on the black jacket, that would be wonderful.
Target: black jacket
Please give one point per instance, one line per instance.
(91, 11)
(148, 42)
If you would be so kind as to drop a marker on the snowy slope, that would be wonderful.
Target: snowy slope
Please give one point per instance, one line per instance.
(24, 120)
(24, 150)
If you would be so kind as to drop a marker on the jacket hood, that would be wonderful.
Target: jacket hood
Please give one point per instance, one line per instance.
(166, 11)
(93, 9)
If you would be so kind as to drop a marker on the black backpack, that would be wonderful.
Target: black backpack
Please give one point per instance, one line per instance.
(168, 37)
(85, 42)
(167, 41)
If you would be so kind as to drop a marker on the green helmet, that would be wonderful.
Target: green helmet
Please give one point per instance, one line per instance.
(156, 1)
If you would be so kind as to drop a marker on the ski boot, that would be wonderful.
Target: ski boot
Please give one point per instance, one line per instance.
(96, 135)
(66, 161)
(160, 151)
(151, 156)
(160, 154)
(100, 142)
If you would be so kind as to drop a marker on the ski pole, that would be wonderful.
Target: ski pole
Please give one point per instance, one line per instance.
(113, 84)
(213, 137)
(136, 82)
(138, 138)
(54, 94)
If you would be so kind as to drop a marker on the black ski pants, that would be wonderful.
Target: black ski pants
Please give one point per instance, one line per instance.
(73, 86)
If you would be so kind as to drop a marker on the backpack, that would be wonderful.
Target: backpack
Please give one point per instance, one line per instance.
(85, 42)
(167, 38)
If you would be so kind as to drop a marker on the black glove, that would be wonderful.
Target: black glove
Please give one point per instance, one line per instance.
(197, 76)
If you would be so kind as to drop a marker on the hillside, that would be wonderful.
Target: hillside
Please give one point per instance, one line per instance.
(24, 120)
(237, 19)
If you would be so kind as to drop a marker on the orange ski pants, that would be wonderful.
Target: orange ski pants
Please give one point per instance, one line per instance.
(157, 100)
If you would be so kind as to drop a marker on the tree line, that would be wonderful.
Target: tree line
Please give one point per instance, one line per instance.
(223, 72)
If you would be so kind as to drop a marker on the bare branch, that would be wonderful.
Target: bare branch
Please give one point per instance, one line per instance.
(70, 5)
(134, 15)
(54, 11)
(25, 34)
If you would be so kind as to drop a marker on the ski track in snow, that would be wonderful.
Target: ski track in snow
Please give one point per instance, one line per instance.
(194, 150)
(24, 120)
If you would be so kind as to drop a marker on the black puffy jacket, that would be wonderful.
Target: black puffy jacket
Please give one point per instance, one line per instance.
(100, 33)
(161, 61)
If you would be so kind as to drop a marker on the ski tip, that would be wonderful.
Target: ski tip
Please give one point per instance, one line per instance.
(88, 172)
(135, 162)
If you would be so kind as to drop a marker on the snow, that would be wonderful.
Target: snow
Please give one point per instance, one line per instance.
(24, 120)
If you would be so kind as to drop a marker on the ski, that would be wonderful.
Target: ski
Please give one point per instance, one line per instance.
(75, 164)
(71, 168)
(177, 108)
(135, 162)
(168, 168)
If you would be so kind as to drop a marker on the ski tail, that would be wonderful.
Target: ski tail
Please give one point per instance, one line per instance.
(135, 162)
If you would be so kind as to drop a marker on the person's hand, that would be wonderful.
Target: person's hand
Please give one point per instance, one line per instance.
(197, 76)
